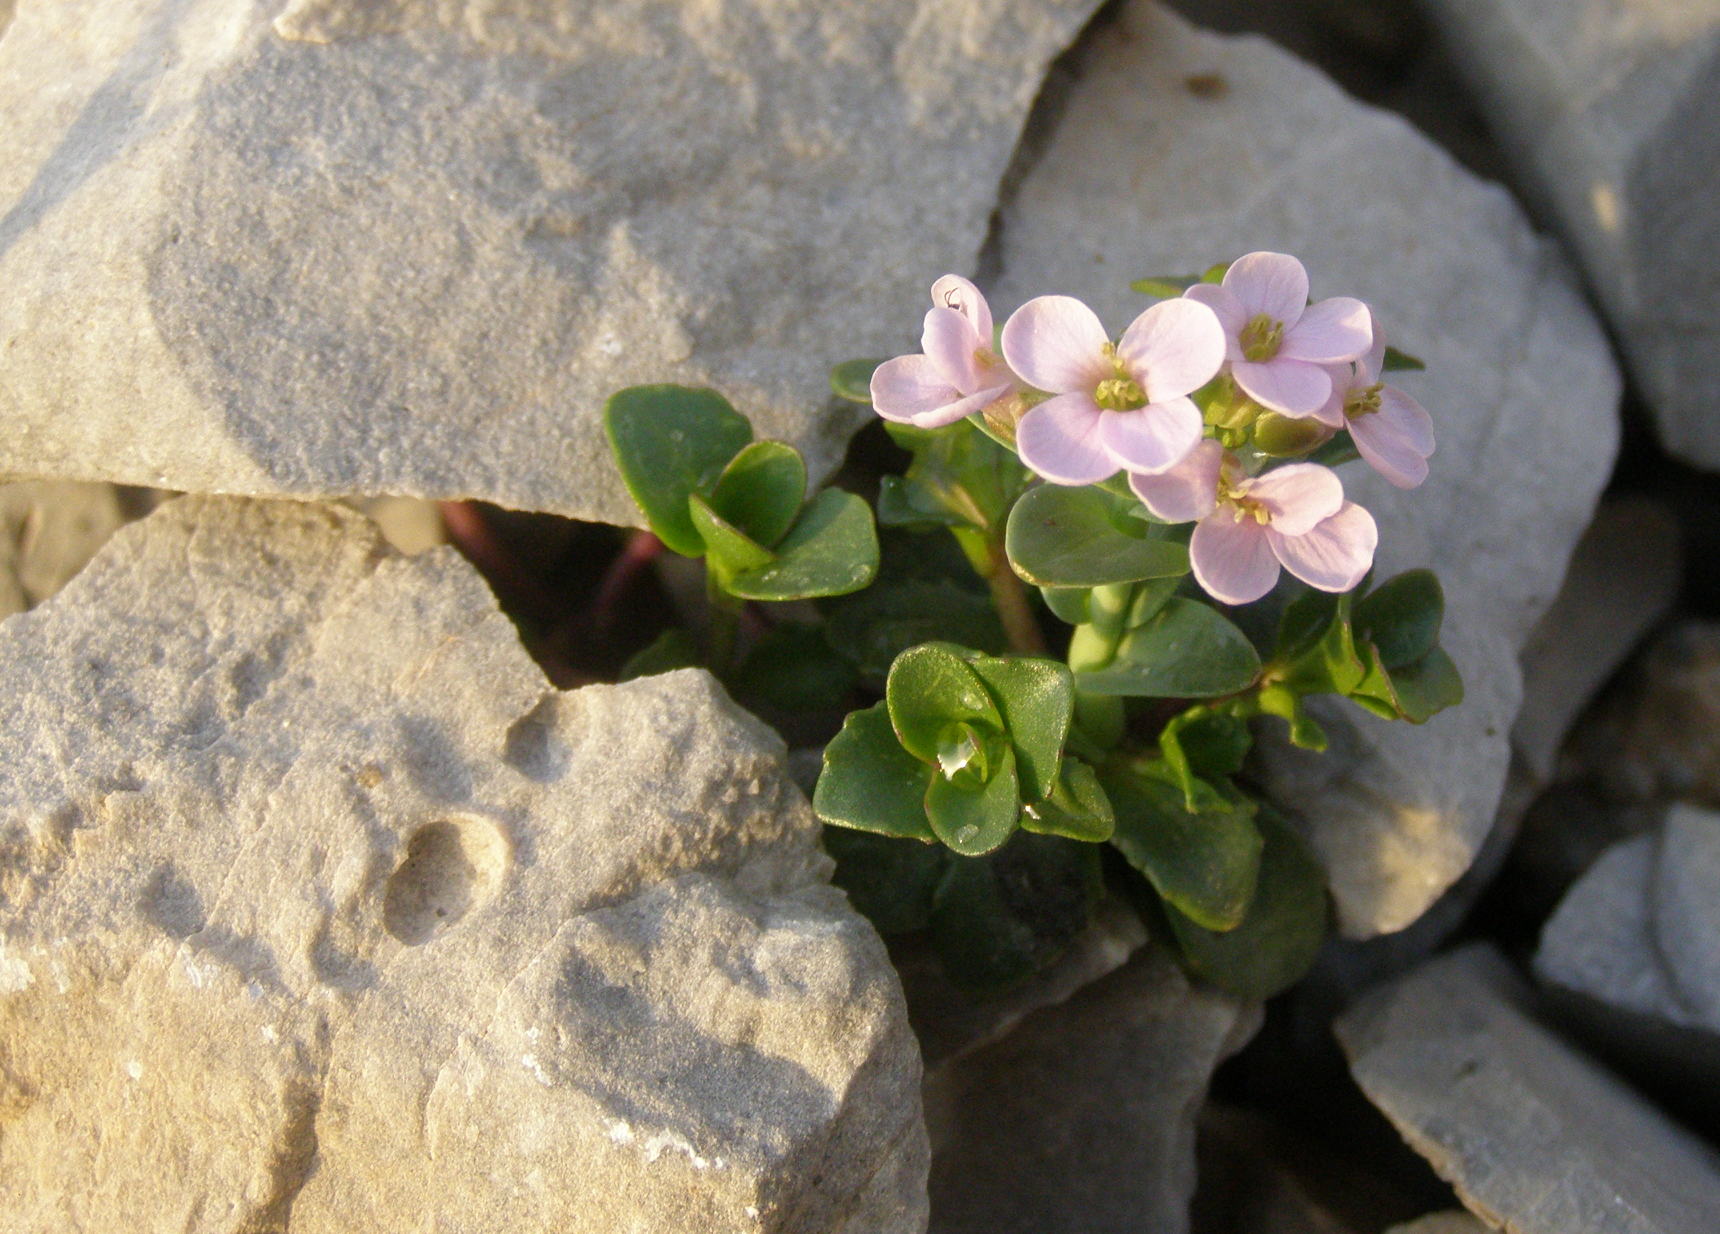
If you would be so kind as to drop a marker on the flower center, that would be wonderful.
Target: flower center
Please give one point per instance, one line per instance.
(1261, 338)
(1362, 401)
(1120, 392)
(1233, 485)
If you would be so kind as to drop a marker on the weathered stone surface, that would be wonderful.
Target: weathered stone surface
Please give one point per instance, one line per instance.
(48, 531)
(1177, 148)
(1455, 1222)
(1536, 1138)
(320, 911)
(336, 247)
(1607, 110)
(1083, 1118)
(1638, 940)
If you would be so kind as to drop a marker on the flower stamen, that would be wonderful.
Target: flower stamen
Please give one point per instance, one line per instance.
(1261, 338)
(1363, 401)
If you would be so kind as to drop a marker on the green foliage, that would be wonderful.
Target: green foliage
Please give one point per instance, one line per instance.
(1184, 650)
(669, 443)
(670, 650)
(891, 882)
(1398, 361)
(831, 550)
(870, 783)
(1085, 537)
(852, 380)
(793, 668)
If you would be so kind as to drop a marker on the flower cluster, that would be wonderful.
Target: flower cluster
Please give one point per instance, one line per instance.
(1202, 400)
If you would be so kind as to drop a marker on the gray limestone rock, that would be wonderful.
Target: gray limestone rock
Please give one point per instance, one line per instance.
(1456, 1222)
(1607, 110)
(321, 911)
(1177, 148)
(1536, 1138)
(1082, 1119)
(49, 529)
(409, 247)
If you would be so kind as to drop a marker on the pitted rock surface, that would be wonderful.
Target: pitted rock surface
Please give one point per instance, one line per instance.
(351, 247)
(321, 911)
(1175, 149)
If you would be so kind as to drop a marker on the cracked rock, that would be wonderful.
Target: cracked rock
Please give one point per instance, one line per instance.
(320, 911)
(1176, 148)
(409, 247)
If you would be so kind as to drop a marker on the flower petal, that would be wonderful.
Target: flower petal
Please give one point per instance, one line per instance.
(910, 386)
(1174, 347)
(1293, 387)
(1396, 439)
(1373, 362)
(1057, 344)
(1329, 332)
(1230, 315)
(1344, 379)
(1231, 557)
(1298, 496)
(1059, 439)
(1187, 491)
(1152, 438)
(954, 292)
(1335, 554)
(1271, 283)
(949, 343)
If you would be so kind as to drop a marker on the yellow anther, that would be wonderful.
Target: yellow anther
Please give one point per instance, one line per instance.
(1120, 394)
(1261, 338)
(1363, 400)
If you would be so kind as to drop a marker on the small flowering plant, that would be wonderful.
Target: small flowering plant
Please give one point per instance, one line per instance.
(1150, 550)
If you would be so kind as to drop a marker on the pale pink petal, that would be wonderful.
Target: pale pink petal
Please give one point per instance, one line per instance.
(1329, 332)
(1174, 347)
(1152, 438)
(1274, 284)
(1372, 364)
(910, 386)
(1057, 344)
(1331, 412)
(1298, 496)
(1396, 439)
(1232, 559)
(1187, 491)
(1059, 439)
(1229, 311)
(961, 409)
(949, 343)
(1293, 387)
(1335, 554)
(954, 292)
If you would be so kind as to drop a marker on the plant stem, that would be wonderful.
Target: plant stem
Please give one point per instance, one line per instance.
(1020, 626)
(725, 620)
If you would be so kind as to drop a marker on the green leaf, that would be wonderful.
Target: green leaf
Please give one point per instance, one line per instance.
(1415, 692)
(793, 668)
(1286, 704)
(1165, 286)
(1186, 650)
(1203, 743)
(1001, 918)
(670, 442)
(876, 625)
(974, 821)
(1078, 808)
(1399, 361)
(831, 550)
(852, 380)
(1037, 699)
(1279, 937)
(870, 782)
(761, 489)
(729, 550)
(1317, 651)
(1402, 617)
(1083, 537)
(1215, 273)
(1336, 452)
(959, 477)
(889, 881)
(670, 650)
(1203, 863)
(1149, 599)
(931, 688)
(1069, 604)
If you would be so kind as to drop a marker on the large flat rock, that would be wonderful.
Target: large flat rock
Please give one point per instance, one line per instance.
(1536, 1138)
(341, 247)
(1176, 148)
(1607, 111)
(321, 911)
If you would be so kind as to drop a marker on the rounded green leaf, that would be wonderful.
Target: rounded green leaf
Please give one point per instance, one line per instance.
(1068, 604)
(852, 380)
(876, 625)
(670, 442)
(1280, 935)
(761, 489)
(870, 782)
(974, 821)
(831, 550)
(1402, 617)
(1078, 808)
(931, 688)
(1401, 361)
(1204, 863)
(729, 550)
(1059, 536)
(1186, 650)
(1037, 699)
(1427, 687)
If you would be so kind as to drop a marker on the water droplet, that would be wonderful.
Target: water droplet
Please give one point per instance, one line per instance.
(965, 834)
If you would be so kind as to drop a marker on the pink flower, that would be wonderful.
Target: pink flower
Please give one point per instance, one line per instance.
(1276, 342)
(1391, 430)
(957, 375)
(1122, 404)
(1294, 516)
